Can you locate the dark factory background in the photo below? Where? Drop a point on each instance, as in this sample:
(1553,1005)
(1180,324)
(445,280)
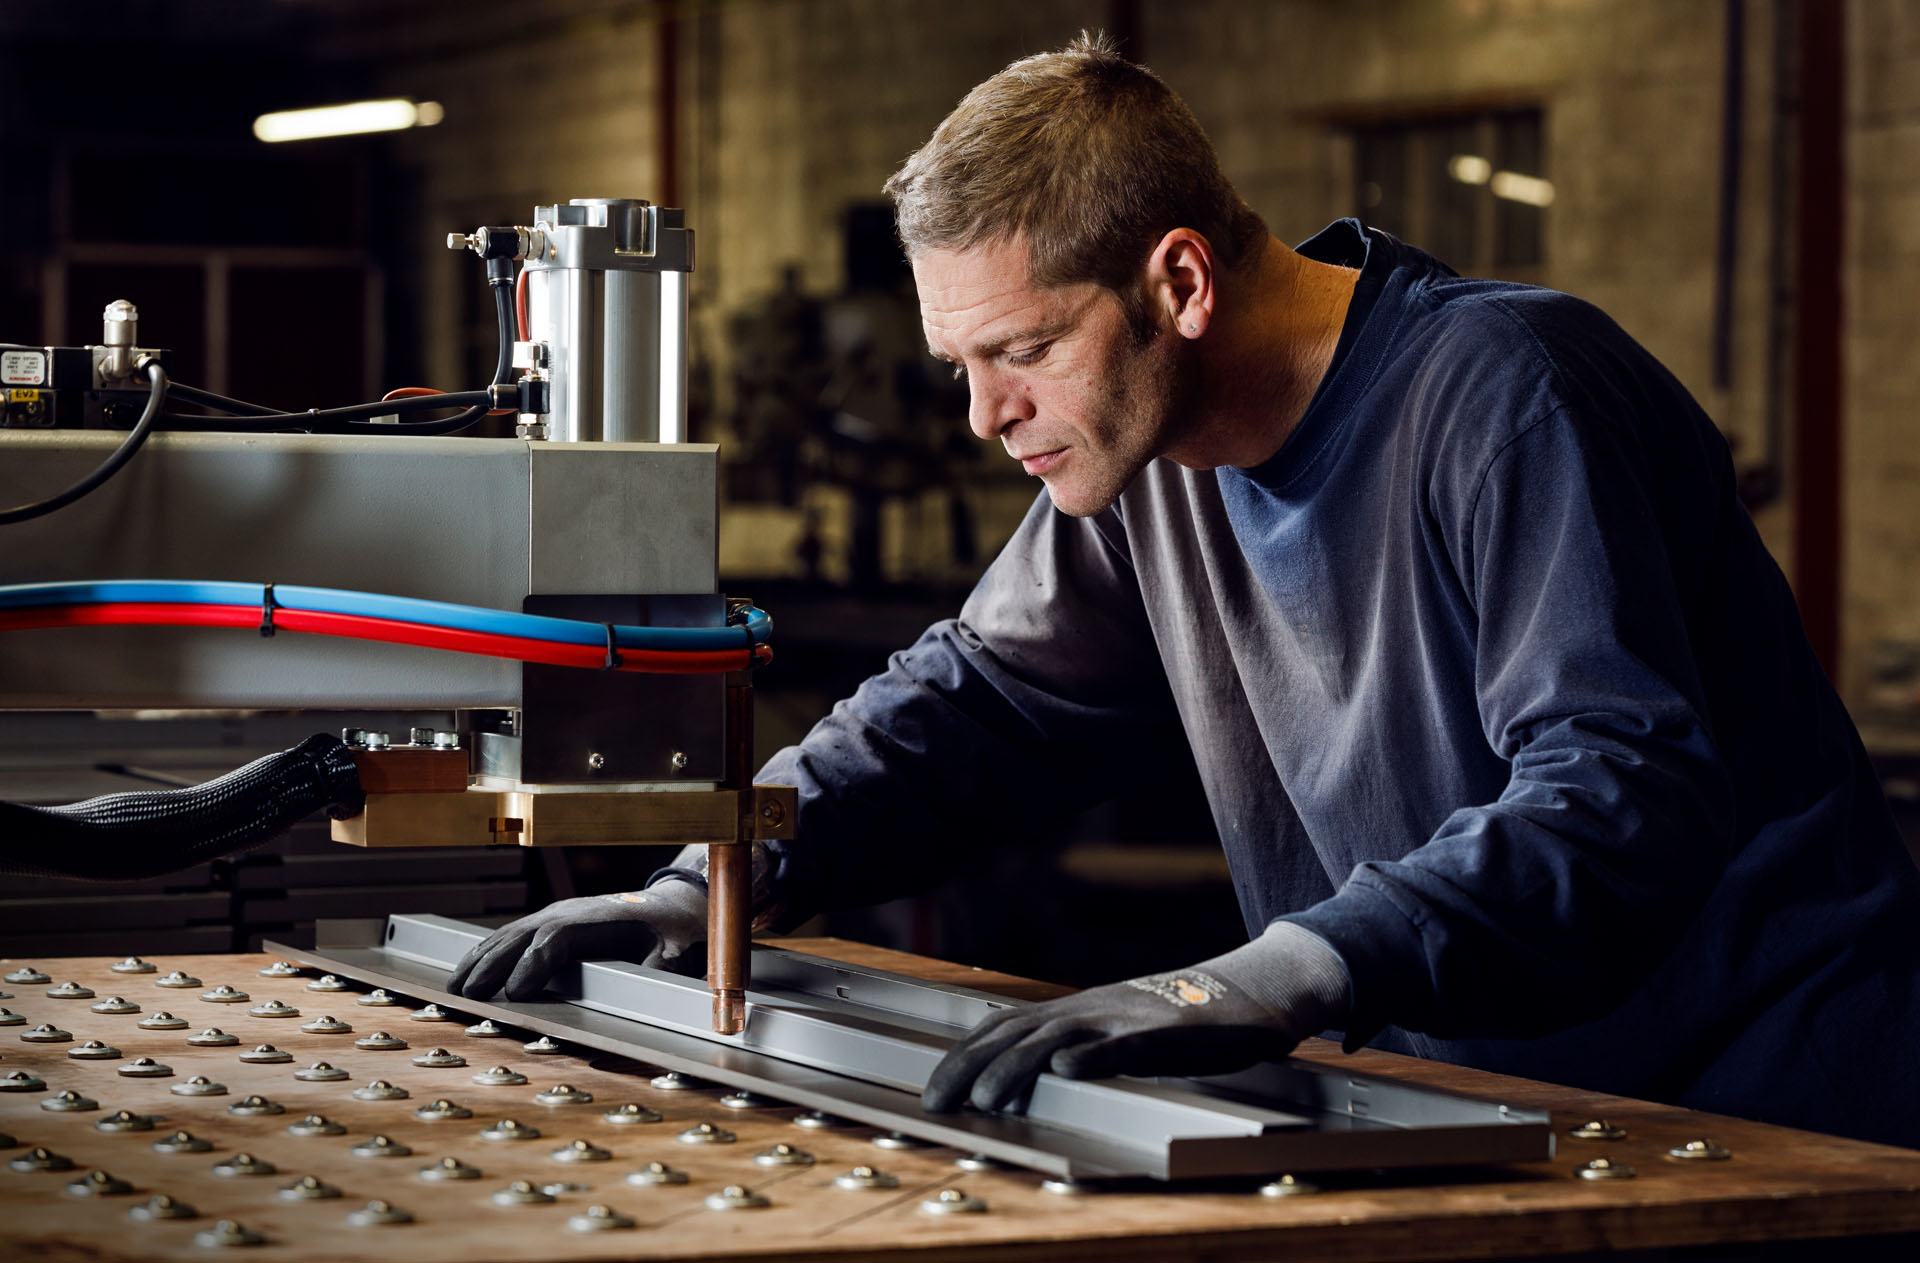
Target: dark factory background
(1736,181)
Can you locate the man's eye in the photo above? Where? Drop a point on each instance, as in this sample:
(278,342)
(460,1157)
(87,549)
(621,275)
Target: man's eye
(1020,359)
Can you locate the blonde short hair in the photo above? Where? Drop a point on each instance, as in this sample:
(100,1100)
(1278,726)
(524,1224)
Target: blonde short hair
(1088,156)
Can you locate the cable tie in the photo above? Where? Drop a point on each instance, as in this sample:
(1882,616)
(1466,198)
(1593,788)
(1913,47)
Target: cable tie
(267,606)
(614,660)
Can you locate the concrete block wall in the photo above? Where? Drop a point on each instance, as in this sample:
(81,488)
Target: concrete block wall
(1880,607)
(792,109)
(1630,91)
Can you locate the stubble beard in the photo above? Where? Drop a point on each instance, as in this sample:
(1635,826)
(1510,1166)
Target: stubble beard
(1143,412)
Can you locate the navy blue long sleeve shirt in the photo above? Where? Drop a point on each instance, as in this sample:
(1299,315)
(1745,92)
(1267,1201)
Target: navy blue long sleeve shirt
(1490,683)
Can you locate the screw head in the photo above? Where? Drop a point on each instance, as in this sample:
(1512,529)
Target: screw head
(308,1188)
(864,1176)
(1597,1129)
(596,761)
(581,1151)
(510,1129)
(1702,1150)
(783,1155)
(735,1197)
(145,1068)
(705,1134)
(266,1055)
(160,1206)
(952,1201)
(563,1094)
(657,1173)
(450,1169)
(380,1090)
(599,1219)
(326,1024)
(441,1110)
(255,1106)
(227,1232)
(679,760)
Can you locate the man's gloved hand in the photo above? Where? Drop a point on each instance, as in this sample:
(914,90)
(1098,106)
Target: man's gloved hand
(1252,1004)
(664,926)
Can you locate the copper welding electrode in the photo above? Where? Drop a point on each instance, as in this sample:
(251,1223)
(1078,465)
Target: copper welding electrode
(730,873)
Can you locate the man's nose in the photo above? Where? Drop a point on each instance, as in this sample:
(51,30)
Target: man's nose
(994,404)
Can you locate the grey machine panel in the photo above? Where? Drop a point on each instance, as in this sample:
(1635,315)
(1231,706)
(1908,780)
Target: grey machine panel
(860,1043)
(488,522)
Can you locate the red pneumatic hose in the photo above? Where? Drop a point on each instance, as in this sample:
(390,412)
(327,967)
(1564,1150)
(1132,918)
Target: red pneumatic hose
(390,631)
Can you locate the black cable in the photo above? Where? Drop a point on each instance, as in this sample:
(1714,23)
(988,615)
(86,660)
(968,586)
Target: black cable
(143,834)
(357,418)
(326,420)
(207,399)
(503,370)
(108,467)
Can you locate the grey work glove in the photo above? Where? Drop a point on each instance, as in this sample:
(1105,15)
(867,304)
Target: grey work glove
(664,926)
(1252,1004)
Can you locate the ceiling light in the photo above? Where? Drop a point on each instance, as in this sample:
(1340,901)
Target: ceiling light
(352,119)
(1515,187)
(1469,168)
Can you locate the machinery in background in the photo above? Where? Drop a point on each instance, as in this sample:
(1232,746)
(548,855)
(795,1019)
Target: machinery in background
(602,689)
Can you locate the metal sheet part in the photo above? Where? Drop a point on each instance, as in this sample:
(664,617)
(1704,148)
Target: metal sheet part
(859,1043)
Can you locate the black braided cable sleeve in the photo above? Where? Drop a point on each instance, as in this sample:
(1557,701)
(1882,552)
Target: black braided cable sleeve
(119,837)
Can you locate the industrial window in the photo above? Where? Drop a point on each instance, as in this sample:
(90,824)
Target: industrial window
(1471,189)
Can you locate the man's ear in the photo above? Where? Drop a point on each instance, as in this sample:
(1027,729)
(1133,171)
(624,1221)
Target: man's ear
(1180,281)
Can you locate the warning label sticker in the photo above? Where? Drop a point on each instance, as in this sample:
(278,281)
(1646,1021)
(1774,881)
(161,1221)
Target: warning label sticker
(23,368)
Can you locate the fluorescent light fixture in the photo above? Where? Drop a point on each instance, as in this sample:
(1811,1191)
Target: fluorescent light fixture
(352,119)
(1515,187)
(1469,168)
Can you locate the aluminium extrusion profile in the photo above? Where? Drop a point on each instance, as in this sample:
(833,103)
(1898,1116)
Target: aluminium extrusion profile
(859,1043)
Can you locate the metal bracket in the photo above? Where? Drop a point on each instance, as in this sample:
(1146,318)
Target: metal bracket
(480,815)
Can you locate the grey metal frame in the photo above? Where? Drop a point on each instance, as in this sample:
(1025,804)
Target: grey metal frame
(859,1043)
(487,522)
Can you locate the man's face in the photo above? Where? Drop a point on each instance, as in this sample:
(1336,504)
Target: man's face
(1076,393)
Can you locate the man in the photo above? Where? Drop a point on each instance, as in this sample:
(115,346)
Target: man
(1505,717)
